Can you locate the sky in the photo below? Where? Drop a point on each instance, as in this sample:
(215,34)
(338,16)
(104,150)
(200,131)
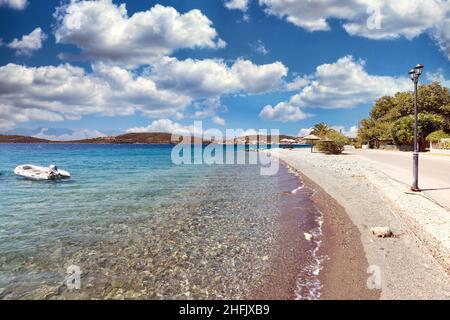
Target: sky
(78,69)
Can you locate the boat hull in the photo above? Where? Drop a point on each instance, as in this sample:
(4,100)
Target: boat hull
(40,173)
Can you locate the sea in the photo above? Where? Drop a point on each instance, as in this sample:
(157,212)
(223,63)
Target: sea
(131,224)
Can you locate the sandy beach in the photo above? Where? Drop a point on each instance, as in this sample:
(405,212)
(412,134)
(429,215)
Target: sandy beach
(410,265)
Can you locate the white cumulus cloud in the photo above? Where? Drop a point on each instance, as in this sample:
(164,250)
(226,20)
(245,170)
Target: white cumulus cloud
(166,125)
(259,78)
(78,134)
(237,4)
(373,19)
(304,132)
(342,84)
(283,112)
(297,83)
(67,92)
(218,120)
(55,93)
(350,132)
(345,84)
(29,43)
(259,47)
(14,4)
(105,32)
(439,77)
(212,77)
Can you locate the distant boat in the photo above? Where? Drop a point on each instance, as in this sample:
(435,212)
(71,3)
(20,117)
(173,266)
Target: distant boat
(41,173)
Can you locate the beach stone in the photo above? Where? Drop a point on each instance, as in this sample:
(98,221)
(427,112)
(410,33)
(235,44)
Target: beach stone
(4,292)
(382,232)
(308,236)
(118,283)
(47,292)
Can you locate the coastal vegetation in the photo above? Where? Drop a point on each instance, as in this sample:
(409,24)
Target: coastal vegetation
(332,141)
(391,120)
(440,139)
(336,143)
(438,136)
(321,130)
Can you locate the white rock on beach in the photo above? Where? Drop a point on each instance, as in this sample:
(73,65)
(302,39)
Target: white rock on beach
(308,236)
(382,232)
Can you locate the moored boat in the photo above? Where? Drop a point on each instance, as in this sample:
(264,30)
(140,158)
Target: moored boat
(41,173)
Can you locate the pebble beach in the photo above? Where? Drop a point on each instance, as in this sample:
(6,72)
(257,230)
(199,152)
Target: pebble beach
(410,266)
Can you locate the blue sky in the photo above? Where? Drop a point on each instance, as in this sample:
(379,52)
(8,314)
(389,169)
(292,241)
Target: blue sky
(248,64)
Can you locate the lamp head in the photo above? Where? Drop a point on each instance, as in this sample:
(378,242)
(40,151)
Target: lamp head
(418,68)
(412,74)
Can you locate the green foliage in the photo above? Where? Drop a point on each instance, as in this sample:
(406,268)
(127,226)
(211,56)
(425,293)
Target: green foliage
(356,142)
(336,146)
(436,136)
(382,108)
(433,97)
(403,129)
(445,145)
(373,131)
(391,118)
(321,129)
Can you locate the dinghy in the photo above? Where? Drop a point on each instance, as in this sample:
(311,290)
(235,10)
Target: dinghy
(41,173)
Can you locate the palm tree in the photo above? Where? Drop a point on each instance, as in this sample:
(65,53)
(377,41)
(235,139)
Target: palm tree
(321,129)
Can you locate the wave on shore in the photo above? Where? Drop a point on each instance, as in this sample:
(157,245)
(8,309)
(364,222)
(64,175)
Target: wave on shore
(308,284)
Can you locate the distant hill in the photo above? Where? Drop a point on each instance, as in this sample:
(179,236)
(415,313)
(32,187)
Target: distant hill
(6,138)
(132,138)
(129,138)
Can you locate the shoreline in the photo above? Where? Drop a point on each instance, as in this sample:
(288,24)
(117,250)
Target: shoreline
(292,255)
(344,271)
(332,264)
(407,268)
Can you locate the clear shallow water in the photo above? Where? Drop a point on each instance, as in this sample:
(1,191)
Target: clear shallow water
(136,225)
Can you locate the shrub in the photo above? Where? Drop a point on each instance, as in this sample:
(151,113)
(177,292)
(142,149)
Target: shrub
(356,142)
(403,129)
(437,136)
(444,145)
(334,147)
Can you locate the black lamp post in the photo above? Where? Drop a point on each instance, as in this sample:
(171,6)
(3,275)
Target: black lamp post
(415,74)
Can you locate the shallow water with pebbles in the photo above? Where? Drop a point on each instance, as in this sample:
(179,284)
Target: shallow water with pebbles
(138,226)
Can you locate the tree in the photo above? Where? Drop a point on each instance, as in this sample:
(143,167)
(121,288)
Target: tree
(373,132)
(382,108)
(391,118)
(321,129)
(434,98)
(335,146)
(437,136)
(403,129)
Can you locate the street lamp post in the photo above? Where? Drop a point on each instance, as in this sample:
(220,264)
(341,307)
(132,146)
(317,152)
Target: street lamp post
(415,74)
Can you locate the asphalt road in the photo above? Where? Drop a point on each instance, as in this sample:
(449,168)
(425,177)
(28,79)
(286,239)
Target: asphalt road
(434,171)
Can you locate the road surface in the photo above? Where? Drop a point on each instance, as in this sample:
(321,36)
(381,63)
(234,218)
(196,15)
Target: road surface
(434,171)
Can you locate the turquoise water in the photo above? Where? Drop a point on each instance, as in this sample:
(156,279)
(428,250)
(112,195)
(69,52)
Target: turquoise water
(137,225)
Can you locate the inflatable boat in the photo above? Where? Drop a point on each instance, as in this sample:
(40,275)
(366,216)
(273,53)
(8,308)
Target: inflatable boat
(41,173)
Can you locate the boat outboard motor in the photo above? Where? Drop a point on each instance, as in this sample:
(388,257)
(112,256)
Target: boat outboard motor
(54,171)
